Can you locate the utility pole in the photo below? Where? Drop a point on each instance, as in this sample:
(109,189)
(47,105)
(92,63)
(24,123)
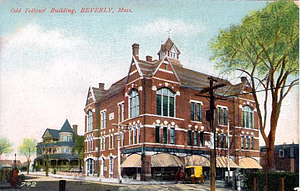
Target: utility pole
(210,118)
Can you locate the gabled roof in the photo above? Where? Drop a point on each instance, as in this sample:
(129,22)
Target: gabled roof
(66,127)
(53,132)
(97,93)
(168,46)
(114,89)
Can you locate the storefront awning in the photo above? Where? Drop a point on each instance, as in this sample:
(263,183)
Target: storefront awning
(249,163)
(133,161)
(222,162)
(196,160)
(165,160)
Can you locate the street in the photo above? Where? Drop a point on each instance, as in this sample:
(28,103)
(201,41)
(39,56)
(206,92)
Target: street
(38,182)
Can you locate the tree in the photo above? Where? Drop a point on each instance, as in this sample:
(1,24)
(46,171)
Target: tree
(265,46)
(5,146)
(27,148)
(79,149)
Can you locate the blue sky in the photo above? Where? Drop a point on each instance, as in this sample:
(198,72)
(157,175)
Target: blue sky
(48,60)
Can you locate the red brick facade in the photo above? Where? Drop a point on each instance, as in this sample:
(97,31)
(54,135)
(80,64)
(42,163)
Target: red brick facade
(164,128)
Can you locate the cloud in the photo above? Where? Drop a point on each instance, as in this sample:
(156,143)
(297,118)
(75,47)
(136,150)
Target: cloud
(45,75)
(178,27)
(34,36)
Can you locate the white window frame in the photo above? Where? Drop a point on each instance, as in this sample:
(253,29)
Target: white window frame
(89,120)
(281,153)
(134,103)
(246,115)
(103,114)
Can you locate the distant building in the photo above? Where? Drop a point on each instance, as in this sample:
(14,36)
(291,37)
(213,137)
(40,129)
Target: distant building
(286,157)
(10,163)
(56,148)
(154,115)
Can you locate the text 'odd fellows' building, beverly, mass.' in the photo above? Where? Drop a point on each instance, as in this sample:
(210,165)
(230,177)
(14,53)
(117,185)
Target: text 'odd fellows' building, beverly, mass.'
(159,123)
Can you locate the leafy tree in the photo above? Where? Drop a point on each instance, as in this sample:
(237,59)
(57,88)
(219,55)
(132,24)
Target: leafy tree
(265,46)
(5,146)
(79,149)
(27,148)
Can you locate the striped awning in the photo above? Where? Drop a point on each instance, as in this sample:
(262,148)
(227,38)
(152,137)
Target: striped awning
(249,163)
(133,161)
(196,160)
(165,160)
(222,162)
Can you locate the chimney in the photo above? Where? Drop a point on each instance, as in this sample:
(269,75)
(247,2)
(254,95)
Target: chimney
(135,50)
(101,86)
(244,79)
(75,129)
(149,58)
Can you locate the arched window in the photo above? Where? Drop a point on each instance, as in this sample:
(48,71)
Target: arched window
(90,166)
(134,105)
(248,117)
(90,121)
(111,167)
(102,167)
(165,102)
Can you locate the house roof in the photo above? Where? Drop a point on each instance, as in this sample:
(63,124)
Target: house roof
(10,163)
(66,127)
(53,132)
(114,89)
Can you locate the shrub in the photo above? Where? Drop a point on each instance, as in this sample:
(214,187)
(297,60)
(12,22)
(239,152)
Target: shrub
(291,180)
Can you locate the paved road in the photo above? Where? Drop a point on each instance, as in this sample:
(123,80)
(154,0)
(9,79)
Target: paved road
(37,183)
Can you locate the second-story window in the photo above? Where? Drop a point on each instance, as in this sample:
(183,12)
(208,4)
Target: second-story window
(121,112)
(165,102)
(247,117)
(103,119)
(196,111)
(134,104)
(222,115)
(90,121)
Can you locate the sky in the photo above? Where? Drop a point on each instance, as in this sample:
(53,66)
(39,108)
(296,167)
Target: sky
(49,60)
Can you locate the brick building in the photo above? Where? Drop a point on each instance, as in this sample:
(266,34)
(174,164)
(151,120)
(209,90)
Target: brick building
(160,123)
(286,157)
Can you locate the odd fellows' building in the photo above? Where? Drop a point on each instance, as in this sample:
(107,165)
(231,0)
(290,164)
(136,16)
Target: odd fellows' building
(56,148)
(160,122)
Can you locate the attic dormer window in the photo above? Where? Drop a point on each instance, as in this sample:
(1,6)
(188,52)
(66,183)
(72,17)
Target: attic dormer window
(166,66)
(173,55)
